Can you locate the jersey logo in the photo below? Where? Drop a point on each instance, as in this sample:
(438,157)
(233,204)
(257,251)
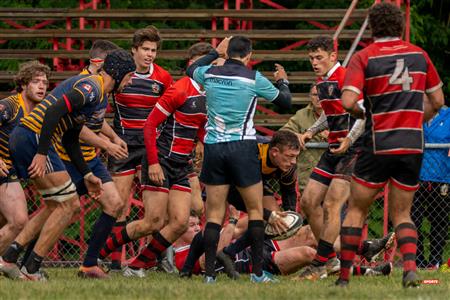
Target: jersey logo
(156,88)
(330,90)
(87,87)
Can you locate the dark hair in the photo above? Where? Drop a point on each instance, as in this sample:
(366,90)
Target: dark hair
(101,48)
(239,46)
(29,70)
(386,20)
(320,42)
(149,33)
(199,49)
(285,138)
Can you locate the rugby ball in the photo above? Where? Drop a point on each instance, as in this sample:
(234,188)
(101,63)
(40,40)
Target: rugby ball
(294,221)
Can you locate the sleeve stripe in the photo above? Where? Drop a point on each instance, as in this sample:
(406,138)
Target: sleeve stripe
(435,88)
(158,106)
(69,106)
(352,88)
(278,92)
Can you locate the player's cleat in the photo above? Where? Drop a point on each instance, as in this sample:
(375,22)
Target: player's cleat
(38,276)
(410,280)
(185,274)
(164,265)
(130,272)
(333,266)
(372,249)
(341,282)
(10,270)
(312,273)
(382,269)
(209,280)
(228,265)
(266,277)
(94,272)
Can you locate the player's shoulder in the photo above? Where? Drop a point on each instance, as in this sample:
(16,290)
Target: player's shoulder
(161,71)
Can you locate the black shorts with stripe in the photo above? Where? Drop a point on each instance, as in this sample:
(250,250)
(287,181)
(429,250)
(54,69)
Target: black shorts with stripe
(332,166)
(129,165)
(374,171)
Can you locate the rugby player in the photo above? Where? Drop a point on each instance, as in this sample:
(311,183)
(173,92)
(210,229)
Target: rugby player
(59,116)
(131,109)
(31,85)
(328,187)
(230,143)
(97,55)
(165,182)
(393,75)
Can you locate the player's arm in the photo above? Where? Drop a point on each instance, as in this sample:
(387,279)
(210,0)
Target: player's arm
(350,103)
(115,150)
(319,125)
(70,141)
(7,110)
(432,103)
(288,189)
(207,59)
(345,143)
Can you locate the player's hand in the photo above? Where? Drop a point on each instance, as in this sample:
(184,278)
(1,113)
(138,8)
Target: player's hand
(304,138)
(3,169)
(156,174)
(345,143)
(94,186)
(37,167)
(234,213)
(118,141)
(280,73)
(277,222)
(116,151)
(223,46)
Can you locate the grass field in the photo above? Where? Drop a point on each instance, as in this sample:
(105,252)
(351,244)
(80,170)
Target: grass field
(65,285)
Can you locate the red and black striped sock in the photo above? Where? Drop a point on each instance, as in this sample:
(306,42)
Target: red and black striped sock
(406,234)
(324,249)
(350,239)
(114,241)
(147,258)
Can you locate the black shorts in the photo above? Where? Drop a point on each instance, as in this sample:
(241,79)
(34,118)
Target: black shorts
(175,174)
(335,166)
(129,165)
(12,177)
(243,262)
(231,163)
(374,171)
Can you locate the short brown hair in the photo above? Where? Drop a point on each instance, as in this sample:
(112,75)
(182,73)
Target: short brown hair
(149,33)
(320,42)
(386,20)
(101,48)
(285,138)
(29,70)
(199,49)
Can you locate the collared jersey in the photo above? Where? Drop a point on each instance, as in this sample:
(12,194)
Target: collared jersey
(12,109)
(136,101)
(231,95)
(393,75)
(329,92)
(92,90)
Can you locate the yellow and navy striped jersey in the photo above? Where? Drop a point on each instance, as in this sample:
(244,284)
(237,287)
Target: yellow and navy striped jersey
(94,123)
(92,89)
(12,109)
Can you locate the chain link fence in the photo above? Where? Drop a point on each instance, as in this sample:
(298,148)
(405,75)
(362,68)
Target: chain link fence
(430,213)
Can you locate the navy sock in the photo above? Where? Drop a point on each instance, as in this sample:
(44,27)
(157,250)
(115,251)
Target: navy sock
(239,245)
(195,251)
(210,241)
(256,231)
(100,232)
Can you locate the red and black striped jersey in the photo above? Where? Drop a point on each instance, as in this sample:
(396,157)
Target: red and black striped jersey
(393,75)
(329,93)
(12,109)
(182,111)
(136,101)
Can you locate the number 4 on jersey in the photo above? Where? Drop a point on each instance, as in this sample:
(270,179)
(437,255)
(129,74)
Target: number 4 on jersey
(405,80)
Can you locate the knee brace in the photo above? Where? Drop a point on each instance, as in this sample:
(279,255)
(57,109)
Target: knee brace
(59,193)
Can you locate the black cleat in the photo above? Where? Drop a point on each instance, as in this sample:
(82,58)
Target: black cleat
(228,265)
(341,283)
(185,274)
(384,269)
(410,280)
(372,249)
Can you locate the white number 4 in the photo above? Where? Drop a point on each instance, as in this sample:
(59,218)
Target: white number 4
(405,80)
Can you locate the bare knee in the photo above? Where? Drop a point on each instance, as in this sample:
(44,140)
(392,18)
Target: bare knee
(114,206)
(309,203)
(150,226)
(179,226)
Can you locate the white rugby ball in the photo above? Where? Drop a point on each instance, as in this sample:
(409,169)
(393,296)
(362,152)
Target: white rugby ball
(294,221)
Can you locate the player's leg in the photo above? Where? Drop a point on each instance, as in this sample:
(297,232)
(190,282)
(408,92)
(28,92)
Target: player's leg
(13,207)
(291,260)
(196,195)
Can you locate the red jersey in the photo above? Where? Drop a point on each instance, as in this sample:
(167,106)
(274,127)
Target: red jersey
(136,101)
(329,93)
(393,75)
(181,254)
(182,109)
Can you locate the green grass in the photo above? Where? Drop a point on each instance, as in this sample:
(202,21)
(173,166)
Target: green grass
(65,285)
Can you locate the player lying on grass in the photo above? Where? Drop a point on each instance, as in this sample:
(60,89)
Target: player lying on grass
(280,257)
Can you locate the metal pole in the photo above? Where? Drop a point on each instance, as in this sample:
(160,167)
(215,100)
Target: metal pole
(356,41)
